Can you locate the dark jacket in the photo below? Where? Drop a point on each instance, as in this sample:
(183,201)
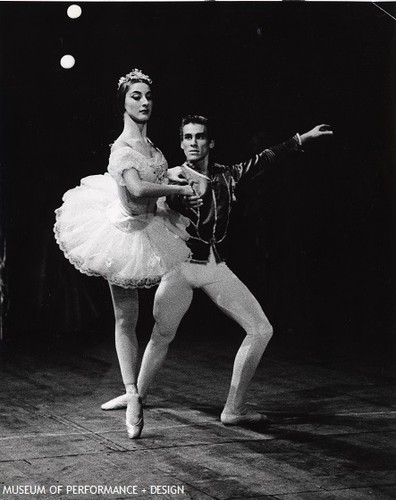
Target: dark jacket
(209,222)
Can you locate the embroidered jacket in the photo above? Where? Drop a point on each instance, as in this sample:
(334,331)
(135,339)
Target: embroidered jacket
(210,221)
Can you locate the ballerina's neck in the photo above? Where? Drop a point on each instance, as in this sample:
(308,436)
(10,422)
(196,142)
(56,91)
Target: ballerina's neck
(134,129)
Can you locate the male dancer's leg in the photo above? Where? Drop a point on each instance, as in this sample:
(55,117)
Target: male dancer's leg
(171,302)
(237,302)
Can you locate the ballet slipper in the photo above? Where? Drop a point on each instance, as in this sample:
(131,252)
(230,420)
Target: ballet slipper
(120,402)
(134,416)
(243,418)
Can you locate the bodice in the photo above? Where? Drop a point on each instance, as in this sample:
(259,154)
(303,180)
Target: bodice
(150,169)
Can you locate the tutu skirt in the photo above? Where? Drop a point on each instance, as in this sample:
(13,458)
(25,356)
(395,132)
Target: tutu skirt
(100,237)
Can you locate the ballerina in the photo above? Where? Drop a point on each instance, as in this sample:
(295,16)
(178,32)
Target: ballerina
(115,225)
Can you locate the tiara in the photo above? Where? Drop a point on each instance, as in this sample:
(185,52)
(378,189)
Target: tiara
(135,74)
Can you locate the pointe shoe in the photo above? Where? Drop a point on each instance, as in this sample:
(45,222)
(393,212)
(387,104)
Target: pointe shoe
(116,403)
(119,403)
(134,416)
(244,418)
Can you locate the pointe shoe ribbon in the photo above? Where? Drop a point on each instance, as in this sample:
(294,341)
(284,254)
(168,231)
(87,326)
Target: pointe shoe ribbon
(134,416)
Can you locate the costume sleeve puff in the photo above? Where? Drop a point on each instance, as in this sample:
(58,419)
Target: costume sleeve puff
(120,160)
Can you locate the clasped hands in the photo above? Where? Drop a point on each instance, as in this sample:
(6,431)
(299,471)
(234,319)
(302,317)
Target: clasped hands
(175,176)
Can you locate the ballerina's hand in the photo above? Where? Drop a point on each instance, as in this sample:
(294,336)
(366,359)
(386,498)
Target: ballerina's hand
(176,176)
(316,132)
(186,191)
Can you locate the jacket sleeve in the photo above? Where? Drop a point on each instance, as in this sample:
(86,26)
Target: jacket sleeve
(259,163)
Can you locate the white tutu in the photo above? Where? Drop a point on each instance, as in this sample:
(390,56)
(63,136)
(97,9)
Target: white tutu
(100,238)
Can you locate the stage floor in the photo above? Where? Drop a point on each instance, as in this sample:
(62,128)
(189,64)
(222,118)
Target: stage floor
(332,434)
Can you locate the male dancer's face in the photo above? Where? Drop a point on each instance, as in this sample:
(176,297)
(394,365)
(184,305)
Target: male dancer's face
(195,142)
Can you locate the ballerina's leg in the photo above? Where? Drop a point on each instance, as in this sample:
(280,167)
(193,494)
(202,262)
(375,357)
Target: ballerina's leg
(126,310)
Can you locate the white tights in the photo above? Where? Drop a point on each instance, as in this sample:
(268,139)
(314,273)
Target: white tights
(172,300)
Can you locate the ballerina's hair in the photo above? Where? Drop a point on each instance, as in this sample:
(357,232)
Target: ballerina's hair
(134,76)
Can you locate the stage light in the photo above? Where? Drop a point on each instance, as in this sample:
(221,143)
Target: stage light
(67,61)
(74,11)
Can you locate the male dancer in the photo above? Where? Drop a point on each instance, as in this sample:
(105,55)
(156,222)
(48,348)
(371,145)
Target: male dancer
(209,212)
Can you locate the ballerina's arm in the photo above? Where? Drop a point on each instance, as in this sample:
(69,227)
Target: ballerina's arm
(145,189)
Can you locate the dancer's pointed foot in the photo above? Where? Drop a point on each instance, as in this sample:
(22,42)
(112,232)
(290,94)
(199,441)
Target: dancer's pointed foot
(244,418)
(134,416)
(119,403)
(116,403)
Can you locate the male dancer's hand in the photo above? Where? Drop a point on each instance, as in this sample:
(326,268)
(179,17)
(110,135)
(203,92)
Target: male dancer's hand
(316,132)
(193,201)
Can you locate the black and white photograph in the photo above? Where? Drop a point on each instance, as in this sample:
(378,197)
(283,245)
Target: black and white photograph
(197,250)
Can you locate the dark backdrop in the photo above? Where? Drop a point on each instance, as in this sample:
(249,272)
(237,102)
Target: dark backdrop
(313,238)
